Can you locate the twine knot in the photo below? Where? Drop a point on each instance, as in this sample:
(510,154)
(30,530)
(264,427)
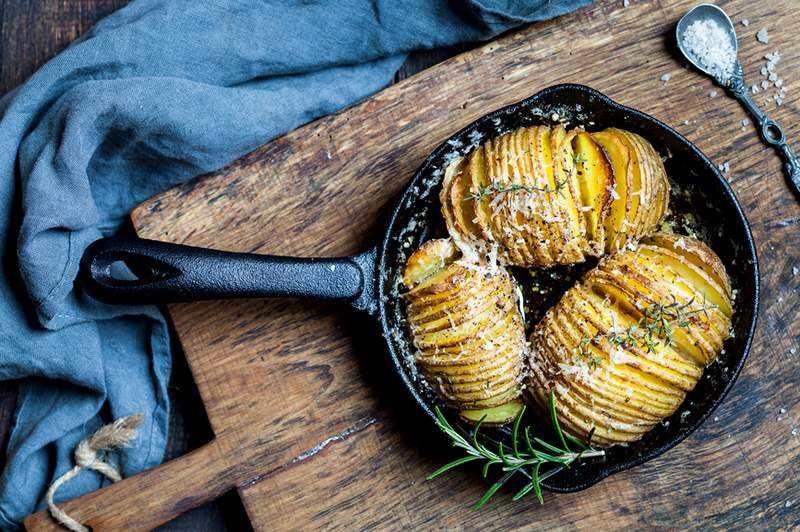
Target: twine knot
(107,438)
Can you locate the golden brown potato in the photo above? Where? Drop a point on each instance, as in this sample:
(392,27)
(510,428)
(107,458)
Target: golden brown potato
(541,196)
(622,348)
(468,331)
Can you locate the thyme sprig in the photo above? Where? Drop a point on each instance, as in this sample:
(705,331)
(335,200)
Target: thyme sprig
(656,326)
(495,189)
(525,454)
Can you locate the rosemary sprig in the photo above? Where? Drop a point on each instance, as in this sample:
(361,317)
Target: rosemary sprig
(656,326)
(496,189)
(524,454)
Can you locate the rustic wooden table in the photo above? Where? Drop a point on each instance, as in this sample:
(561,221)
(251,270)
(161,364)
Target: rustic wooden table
(740,469)
(31,32)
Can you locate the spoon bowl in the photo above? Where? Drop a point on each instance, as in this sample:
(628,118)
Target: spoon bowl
(705,12)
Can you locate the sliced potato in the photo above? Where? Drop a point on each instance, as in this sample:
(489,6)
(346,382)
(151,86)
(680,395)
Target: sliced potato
(622,347)
(467,328)
(541,196)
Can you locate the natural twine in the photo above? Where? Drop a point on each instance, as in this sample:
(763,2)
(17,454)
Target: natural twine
(107,438)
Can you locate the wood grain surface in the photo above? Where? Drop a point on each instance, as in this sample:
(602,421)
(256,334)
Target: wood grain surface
(309,423)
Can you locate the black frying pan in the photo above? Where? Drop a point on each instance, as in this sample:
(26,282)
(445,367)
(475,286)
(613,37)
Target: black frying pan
(371,281)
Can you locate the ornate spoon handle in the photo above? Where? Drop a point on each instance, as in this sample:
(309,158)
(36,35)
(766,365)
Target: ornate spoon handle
(771,132)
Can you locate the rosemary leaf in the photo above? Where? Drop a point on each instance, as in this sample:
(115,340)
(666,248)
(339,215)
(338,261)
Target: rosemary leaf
(515,431)
(451,465)
(554,419)
(537,483)
(547,445)
(491,491)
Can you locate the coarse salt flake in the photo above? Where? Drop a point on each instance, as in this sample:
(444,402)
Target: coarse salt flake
(711,46)
(666,77)
(762,36)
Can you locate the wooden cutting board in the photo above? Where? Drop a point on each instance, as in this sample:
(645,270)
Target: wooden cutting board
(310,426)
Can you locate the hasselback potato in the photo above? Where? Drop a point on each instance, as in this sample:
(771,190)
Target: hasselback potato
(468,331)
(540,196)
(622,347)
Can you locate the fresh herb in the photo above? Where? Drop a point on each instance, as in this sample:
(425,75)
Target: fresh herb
(496,189)
(524,455)
(579,159)
(656,326)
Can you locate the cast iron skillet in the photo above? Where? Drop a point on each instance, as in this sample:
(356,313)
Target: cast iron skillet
(371,281)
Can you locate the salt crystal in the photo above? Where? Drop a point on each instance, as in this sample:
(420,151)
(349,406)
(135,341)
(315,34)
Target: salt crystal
(712,94)
(783,410)
(773,57)
(626,3)
(716,418)
(685,122)
(794,432)
(745,122)
(765,84)
(773,76)
(787,504)
(793,351)
(711,46)
(778,101)
(745,22)
(666,77)
(779,83)
(795,270)
(762,36)
(754,89)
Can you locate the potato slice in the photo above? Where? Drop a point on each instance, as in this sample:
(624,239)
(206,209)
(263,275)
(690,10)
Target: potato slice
(496,415)
(620,208)
(431,258)
(596,180)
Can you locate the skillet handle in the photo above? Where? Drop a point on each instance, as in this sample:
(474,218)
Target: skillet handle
(173,273)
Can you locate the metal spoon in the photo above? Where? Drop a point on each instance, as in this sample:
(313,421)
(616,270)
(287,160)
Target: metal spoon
(771,133)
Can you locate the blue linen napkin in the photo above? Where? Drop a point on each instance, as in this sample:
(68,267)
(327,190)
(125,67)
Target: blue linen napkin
(156,93)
